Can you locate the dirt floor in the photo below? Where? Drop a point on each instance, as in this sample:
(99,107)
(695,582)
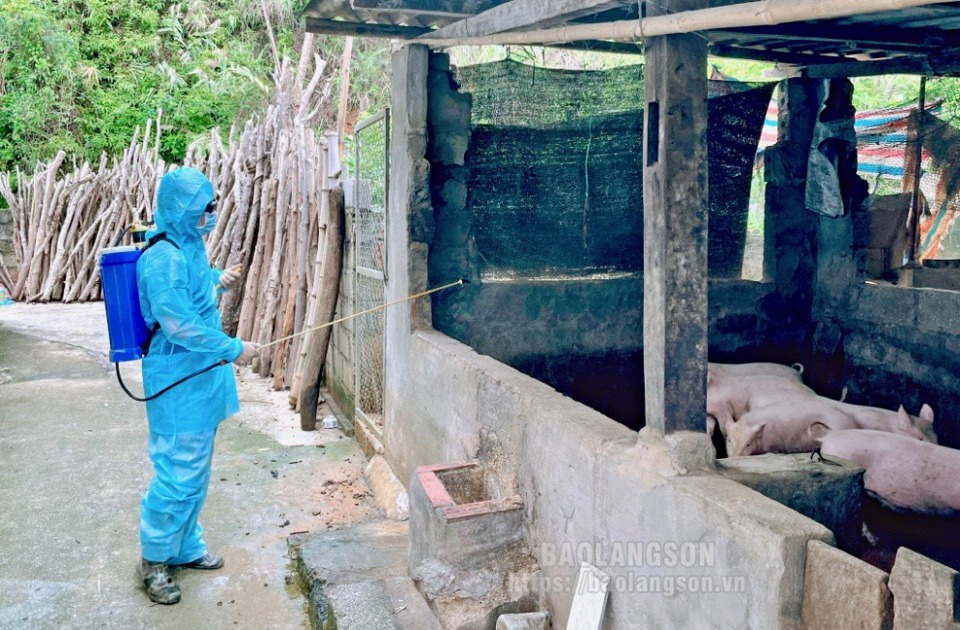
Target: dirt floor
(73,467)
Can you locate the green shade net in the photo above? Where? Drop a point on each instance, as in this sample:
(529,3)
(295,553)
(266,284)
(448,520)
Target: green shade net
(555,177)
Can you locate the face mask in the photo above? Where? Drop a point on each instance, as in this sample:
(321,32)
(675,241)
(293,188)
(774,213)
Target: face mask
(209,224)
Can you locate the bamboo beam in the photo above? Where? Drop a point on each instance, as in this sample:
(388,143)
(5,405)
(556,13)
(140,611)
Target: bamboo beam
(762,13)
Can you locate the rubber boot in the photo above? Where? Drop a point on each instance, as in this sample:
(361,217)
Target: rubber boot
(158,583)
(207,562)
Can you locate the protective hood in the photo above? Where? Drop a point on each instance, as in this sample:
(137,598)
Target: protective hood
(183,196)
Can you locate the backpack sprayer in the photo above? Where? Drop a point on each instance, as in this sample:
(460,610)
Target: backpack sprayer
(128,332)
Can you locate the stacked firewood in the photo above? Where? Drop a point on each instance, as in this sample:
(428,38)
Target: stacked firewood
(60,221)
(273,213)
(274,179)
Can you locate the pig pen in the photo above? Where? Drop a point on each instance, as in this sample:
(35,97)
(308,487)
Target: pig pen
(536,188)
(474,375)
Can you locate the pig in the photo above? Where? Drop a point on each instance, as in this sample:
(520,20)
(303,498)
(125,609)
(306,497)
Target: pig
(784,427)
(756,369)
(918,427)
(903,473)
(729,397)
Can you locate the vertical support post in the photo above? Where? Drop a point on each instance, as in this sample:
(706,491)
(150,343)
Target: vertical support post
(675,231)
(407,238)
(790,230)
(915,208)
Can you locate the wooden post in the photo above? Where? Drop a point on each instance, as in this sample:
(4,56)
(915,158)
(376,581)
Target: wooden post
(344,92)
(675,232)
(329,288)
(915,206)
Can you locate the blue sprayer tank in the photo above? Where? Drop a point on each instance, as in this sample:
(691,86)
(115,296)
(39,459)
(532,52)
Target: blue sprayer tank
(125,325)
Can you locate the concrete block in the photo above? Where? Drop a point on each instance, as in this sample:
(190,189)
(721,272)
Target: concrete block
(948,279)
(830,495)
(370,555)
(894,306)
(925,593)
(390,494)
(939,311)
(370,443)
(466,548)
(454,519)
(523,621)
(840,591)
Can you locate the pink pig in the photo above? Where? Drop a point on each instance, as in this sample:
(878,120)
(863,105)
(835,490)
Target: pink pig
(783,428)
(904,473)
(756,369)
(787,427)
(734,389)
(919,427)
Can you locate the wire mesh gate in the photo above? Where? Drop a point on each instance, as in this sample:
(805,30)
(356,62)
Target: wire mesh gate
(372,183)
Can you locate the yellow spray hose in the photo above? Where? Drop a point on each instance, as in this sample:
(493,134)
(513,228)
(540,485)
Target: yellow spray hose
(369,310)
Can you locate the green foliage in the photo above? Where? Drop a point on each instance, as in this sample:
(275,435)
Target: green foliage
(81,75)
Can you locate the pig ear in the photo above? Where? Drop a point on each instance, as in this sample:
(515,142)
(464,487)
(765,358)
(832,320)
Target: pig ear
(926,412)
(757,430)
(711,424)
(904,417)
(818,430)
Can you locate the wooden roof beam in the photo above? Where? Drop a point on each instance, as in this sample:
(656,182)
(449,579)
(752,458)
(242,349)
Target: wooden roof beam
(520,14)
(761,54)
(747,14)
(942,65)
(362,29)
(892,38)
(441,8)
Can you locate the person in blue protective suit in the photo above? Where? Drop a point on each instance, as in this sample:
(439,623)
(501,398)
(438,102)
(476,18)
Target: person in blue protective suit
(178,299)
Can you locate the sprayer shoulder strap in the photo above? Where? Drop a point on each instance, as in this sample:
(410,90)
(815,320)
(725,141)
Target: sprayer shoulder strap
(156,238)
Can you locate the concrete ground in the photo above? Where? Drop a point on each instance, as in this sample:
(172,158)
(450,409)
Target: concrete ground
(73,467)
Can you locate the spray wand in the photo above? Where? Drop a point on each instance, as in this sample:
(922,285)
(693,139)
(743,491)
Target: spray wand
(369,310)
(408,298)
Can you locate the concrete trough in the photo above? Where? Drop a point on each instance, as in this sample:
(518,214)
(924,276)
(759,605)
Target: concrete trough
(463,516)
(467,545)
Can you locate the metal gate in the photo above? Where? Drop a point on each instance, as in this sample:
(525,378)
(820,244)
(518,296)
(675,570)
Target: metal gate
(372,172)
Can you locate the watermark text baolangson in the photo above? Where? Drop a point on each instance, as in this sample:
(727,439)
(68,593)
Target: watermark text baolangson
(630,554)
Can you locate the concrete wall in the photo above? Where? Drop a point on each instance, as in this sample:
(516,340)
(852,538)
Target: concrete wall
(583,478)
(889,345)
(581,336)
(898,346)
(586,479)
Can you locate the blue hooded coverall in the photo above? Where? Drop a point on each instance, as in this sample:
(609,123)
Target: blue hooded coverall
(177,290)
